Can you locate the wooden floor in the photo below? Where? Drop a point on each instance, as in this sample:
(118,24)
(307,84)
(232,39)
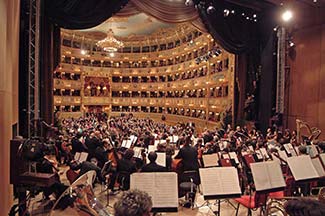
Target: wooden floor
(202,207)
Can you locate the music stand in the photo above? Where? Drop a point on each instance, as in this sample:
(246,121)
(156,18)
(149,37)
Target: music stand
(219,183)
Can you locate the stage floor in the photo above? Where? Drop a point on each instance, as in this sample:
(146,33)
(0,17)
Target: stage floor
(201,207)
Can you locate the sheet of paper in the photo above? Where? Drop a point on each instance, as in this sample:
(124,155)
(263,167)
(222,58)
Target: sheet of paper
(283,155)
(233,155)
(83,156)
(152,148)
(175,139)
(289,149)
(275,174)
(210,160)
(322,158)
(162,187)
(156,142)
(77,156)
(264,153)
(302,167)
(260,176)
(161,159)
(219,181)
(318,166)
(137,152)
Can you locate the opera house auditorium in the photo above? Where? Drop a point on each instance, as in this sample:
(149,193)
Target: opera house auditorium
(162,107)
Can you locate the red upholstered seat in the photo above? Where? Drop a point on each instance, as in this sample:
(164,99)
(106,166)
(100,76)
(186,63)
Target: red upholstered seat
(247,201)
(275,195)
(252,202)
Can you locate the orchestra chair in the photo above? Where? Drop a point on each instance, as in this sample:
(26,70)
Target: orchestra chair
(190,180)
(252,202)
(225,162)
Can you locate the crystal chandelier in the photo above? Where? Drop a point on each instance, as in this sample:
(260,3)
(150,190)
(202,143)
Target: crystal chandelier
(110,43)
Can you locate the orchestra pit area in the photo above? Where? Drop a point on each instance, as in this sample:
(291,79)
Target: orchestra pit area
(166,107)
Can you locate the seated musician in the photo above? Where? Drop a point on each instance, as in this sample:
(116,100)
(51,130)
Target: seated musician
(126,166)
(152,166)
(189,156)
(101,152)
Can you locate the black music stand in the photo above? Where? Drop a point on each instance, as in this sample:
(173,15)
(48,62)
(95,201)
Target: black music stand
(226,185)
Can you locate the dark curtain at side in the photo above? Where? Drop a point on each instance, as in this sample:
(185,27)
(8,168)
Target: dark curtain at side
(247,38)
(81,14)
(233,32)
(49,60)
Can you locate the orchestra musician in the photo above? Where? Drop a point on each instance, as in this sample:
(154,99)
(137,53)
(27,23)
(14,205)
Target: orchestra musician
(189,156)
(152,166)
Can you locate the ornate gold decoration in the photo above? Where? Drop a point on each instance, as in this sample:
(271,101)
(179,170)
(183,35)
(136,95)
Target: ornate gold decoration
(110,43)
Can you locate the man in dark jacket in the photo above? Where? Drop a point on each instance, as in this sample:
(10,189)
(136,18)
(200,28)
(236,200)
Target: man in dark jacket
(153,166)
(189,156)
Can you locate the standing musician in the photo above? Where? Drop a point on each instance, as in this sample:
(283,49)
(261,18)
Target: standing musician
(189,156)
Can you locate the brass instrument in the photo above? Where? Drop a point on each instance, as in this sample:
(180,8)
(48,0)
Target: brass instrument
(79,199)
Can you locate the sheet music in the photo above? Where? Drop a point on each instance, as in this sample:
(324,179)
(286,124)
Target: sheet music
(264,153)
(152,148)
(77,156)
(225,156)
(302,167)
(283,155)
(210,160)
(161,159)
(137,152)
(233,155)
(259,155)
(83,156)
(267,175)
(322,157)
(312,150)
(175,139)
(133,139)
(219,181)
(162,187)
(275,174)
(318,166)
(156,142)
(289,149)
(124,143)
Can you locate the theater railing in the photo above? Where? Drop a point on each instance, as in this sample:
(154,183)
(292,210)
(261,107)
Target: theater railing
(182,49)
(66,84)
(96,100)
(70,114)
(174,119)
(67,100)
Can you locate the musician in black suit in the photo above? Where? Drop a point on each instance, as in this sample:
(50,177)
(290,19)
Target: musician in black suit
(153,166)
(125,167)
(189,156)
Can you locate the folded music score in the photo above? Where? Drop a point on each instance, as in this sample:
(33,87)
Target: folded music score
(161,159)
(220,182)
(302,168)
(81,156)
(290,149)
(210,160)
(126,144)
(267,176)
(318,166)
(161,186)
